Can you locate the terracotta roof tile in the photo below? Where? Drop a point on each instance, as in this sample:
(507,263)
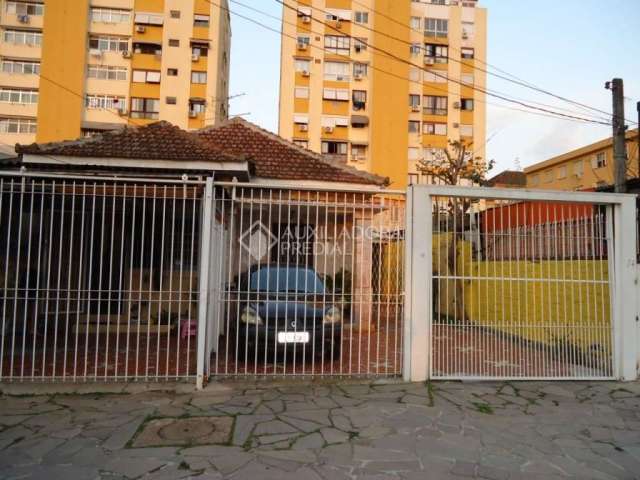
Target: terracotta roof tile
(276,158)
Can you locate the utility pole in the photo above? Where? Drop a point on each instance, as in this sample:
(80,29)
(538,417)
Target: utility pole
(619,132)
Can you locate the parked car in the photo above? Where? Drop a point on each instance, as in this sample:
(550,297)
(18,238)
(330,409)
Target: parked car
(279,308)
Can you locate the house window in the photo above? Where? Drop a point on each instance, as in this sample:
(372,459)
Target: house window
(174,42)
(111,44)
(197,106)
(201,20)
(302,65)
(108,102)
(468,53)
(145,76)
(104,72)
(148,19)
(436,27)
(110,15)
(199,77)
(414,100)
(439,53)
(466,130)
(600,160)
(11,95)
(434,105)
(578,168)
(145,108)
(336,71)
(172,72)
(337,44)
(548,176)
(200,50)
(17,125)
(23,8)
(361,17)
(429,128)
(359,98)
(302,92)
(19,67)
(334,148)
(304,40)
(360,69)
(466,104)
(147,48)
(414,126)
(18,37)
(358,153)
(562,172)
(337,94)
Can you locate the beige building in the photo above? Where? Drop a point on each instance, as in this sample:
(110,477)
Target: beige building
(75,67)
(586,168)
(339,96)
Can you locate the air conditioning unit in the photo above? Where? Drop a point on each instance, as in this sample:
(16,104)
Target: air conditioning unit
(195,57)
(23,18)
(141,29)
(357,77)
(429,61)
(193,114)
(328,129)
(305,73)
(302,46)
(304,127)
(126,54)
(306,19)
(415,108)
(456,105)
(95,52)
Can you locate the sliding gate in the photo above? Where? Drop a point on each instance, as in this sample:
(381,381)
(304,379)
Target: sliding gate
(517,284)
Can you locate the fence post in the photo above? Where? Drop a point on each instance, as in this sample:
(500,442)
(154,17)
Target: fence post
(625,328)
(203,280)
(418,291)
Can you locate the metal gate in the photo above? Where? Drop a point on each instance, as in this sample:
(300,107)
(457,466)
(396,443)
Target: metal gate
(99,277)
(309,282)
(521,284)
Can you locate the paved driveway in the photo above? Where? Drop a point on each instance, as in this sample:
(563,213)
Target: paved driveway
(314,431)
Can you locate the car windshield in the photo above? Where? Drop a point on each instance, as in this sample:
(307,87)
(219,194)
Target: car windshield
(276,279)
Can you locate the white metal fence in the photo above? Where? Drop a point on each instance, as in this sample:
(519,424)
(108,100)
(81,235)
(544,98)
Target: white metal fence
(99,278)
(521,284)
(310,283)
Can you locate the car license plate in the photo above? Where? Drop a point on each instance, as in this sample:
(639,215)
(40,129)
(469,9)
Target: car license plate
(293,337)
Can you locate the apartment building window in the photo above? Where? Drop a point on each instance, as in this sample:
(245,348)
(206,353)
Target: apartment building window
(434,105)
(200,49)
(109,102)
(359,98)
(201,21)
(303,40)
(12,95)
(148,19)
(358,153)
(175,13)
(174,42)
(468,30)
(416,23)
(197,106)
(171,100)
(301,119)
(435,76)
(111,44)
(414,126)
(414,100)
(433,154)
(145,108)
(304,13)
(172,72)
(23,8)
(413,154)
(414,74)
(600,160)
(333,122)
(429,128)
(467,78)
(301,92)
(361,17)
(301,143)
(17,125)
(466,104)
(415,49)
(334,148)
(360,44)
(360,69)
(147,48)
(337,44)
(199,77)
(336,71)
(335,14)
(110,15)
(468,53)
(439,53)
(145,76)
(104,72)
(336,94)
(578,168)
(18,37)
(19,67)
(466,130)
(436,27)
(302,65)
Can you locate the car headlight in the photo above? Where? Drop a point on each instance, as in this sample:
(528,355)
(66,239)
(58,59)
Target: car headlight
(250,317)
(332,315)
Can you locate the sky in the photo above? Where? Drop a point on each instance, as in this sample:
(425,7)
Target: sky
(567,47)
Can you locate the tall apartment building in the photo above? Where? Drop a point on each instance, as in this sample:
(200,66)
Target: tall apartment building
(340,96)
(74,67)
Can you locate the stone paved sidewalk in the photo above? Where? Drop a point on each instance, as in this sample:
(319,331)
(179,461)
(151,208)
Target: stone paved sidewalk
(326,431)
